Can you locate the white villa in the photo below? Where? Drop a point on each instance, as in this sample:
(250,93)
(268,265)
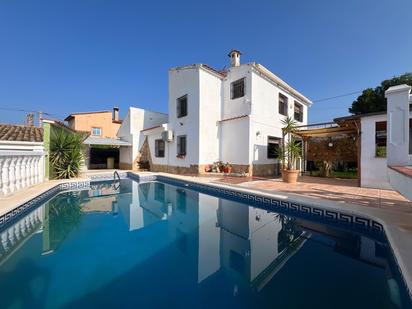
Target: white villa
(231,116)
(136,120)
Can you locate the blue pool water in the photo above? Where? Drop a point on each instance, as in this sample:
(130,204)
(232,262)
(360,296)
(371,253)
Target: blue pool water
(155,245)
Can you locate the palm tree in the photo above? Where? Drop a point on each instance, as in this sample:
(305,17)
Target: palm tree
(291,150)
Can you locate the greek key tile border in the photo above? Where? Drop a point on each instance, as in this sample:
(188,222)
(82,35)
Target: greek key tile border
(12,215)
(293,208)
(336,218)
(142,178)
(108,176)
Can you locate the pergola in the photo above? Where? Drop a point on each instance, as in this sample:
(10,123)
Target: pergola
(349,126)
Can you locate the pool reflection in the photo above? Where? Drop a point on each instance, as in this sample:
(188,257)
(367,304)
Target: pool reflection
(216,241)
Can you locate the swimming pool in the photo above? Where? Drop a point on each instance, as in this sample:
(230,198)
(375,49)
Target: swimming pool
(165,244)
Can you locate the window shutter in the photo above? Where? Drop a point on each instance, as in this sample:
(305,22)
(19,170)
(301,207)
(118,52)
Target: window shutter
(157,148)
(184,145)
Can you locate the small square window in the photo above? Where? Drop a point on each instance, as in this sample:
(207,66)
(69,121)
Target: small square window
(237,89)
(96,131)
(159,148)
(298,114)
(181,106)
(283,105)
(181,145)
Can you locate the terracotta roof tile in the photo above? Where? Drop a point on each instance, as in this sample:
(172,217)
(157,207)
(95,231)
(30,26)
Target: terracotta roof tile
(10,132)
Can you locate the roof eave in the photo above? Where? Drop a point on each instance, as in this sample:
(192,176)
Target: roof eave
(282,83)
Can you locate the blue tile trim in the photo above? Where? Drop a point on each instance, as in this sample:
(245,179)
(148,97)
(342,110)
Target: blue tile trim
(12,215)
(141,178)
(325,216)
(108,176)
(293,208)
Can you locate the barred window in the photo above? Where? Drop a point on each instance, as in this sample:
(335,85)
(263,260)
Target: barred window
(380,138)
(283,105)
(159,148)
(237,89)
(273,147)
(181,145)
(298,115)
(181,106)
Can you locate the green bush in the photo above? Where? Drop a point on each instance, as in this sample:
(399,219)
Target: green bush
(66,154)
(381,151)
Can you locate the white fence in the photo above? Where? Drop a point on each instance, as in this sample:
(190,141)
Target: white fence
(20,169)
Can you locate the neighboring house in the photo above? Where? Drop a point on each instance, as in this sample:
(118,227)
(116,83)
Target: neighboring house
(22,157)
(135,121)
(385,150)
(232,116)
(103,147)
(99,124)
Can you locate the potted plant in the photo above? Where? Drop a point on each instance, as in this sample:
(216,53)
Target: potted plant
(290,152)
(227,168)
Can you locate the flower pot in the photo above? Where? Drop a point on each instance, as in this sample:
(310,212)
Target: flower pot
(290,176)
(226,170)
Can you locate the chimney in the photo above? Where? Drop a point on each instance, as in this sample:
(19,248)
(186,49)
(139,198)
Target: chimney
(30,119)
(115,113)
(234,57)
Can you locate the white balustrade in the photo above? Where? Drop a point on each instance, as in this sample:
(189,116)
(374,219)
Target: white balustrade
(20,230)
(20,169)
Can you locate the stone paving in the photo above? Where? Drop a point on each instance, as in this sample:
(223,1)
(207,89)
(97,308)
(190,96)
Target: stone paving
(338,190)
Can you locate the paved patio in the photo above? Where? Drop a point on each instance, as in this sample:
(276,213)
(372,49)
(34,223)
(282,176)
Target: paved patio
(338,190)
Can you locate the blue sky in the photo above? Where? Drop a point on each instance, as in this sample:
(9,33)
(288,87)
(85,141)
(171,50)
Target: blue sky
(82,55)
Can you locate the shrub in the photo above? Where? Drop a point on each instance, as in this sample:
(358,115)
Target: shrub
(66,154)
(381,151)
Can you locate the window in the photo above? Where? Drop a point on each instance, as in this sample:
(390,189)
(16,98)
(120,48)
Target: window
(298,113)
(159,192)
(181,106)
(181,145)
(237,89)
(96,131)
(283,105)
(181,200)
(159,148)
(273,147)
(380,139)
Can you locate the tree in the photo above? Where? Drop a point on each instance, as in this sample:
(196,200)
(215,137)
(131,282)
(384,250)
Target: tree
(291,150)
(373,100)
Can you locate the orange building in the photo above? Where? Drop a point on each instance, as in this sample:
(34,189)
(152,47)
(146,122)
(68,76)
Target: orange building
(99,124)
(103,146)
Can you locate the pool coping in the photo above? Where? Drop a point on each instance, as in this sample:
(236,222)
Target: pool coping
(397,226)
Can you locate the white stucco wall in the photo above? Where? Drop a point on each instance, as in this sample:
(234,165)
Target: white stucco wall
(374,172)
(234,141)
(265,118)
(152,136)
(135,121)
(184,82)
(240,106)
(209,114)
(398,115)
